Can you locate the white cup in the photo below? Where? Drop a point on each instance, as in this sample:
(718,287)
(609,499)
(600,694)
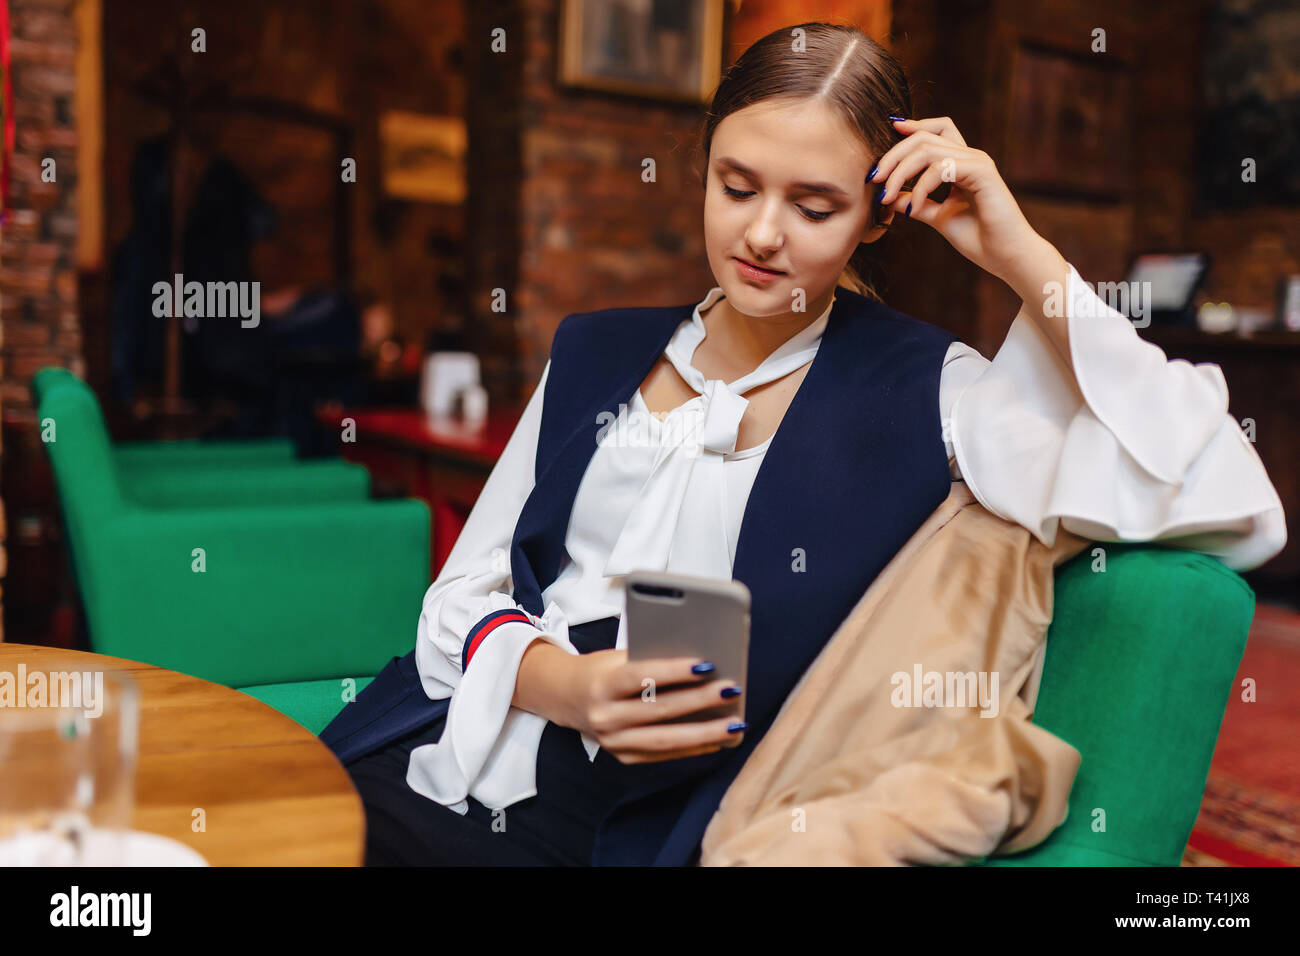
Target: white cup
(474,405)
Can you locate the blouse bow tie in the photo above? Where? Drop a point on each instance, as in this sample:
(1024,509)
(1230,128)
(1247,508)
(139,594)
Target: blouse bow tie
(686,488)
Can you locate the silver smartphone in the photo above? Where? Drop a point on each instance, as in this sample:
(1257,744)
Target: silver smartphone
(679,615)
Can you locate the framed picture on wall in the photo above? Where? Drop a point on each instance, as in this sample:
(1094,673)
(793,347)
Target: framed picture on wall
(656,49)
(1249,150)
(1067,124)
(423,157)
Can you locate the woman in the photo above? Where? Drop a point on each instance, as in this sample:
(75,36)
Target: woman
(517,731)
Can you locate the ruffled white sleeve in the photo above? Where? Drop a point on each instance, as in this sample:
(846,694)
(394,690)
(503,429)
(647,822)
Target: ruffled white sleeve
(1118,444)
(470,639)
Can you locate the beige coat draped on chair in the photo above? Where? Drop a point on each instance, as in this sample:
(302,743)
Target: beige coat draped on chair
(848,775)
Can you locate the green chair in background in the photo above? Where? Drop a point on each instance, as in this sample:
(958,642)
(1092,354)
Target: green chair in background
(236,483)
(192,451)
(180,474)
(251,451)
(297,603)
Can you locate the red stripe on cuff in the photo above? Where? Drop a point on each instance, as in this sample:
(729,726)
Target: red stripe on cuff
(488,629)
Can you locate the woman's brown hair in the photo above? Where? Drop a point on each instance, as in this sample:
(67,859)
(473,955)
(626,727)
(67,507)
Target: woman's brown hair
(839,65)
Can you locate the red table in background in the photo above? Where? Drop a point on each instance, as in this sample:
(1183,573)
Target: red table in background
(439,461)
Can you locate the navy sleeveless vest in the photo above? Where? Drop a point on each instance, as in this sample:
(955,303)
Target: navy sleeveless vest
(855,467)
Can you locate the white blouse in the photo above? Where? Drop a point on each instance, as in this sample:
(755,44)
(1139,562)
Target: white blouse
(1125,445)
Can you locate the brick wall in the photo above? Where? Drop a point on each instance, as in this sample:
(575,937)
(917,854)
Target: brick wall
(592,235)
(37,256)
(38,275)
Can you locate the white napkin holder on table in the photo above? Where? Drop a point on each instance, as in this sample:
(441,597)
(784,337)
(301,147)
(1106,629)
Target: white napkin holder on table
(450,387)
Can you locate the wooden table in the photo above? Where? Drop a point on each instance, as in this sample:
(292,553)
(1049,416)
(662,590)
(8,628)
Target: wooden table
(440,461)
(272,793)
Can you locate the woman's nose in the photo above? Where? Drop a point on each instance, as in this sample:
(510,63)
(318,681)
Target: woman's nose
(764,233)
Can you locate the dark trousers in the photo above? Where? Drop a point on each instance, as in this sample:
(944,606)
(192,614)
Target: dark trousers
(556,827)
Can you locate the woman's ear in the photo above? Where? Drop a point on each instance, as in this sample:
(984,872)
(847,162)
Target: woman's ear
(872,233)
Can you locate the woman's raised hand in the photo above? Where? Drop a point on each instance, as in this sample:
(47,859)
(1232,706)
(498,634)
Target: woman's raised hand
(620,703)
(980,218)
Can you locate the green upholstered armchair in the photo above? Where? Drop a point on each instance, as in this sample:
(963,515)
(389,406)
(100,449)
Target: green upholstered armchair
(191,473)
(1140,662)
(170,484)
(284,601)
(251,451)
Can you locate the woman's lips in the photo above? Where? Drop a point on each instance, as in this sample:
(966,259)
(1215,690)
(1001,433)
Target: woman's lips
(757,273)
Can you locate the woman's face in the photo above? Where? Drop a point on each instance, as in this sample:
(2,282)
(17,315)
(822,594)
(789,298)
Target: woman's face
(761,205)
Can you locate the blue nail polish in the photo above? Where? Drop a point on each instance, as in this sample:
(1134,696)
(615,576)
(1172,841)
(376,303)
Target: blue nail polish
(881,195)
(872,175)
(731,692)
(704,668)
(737,727)
(908,210)
(898,119)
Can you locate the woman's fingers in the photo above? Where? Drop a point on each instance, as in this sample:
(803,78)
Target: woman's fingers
(903,168)
(918,134)
(639,756)
(634,677)
(663,705)
(939,125)
(628,721)
(918,197)
(927,152)
(904,161)
(669,741)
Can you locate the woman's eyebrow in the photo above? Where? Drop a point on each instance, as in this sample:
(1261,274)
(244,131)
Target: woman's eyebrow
(828,189)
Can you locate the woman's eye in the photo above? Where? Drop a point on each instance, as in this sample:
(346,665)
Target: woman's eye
(812,214)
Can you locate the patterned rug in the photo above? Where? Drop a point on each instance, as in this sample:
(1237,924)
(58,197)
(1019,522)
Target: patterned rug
(1250,814)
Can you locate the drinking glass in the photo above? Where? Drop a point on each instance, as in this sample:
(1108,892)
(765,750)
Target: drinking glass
(67,769)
